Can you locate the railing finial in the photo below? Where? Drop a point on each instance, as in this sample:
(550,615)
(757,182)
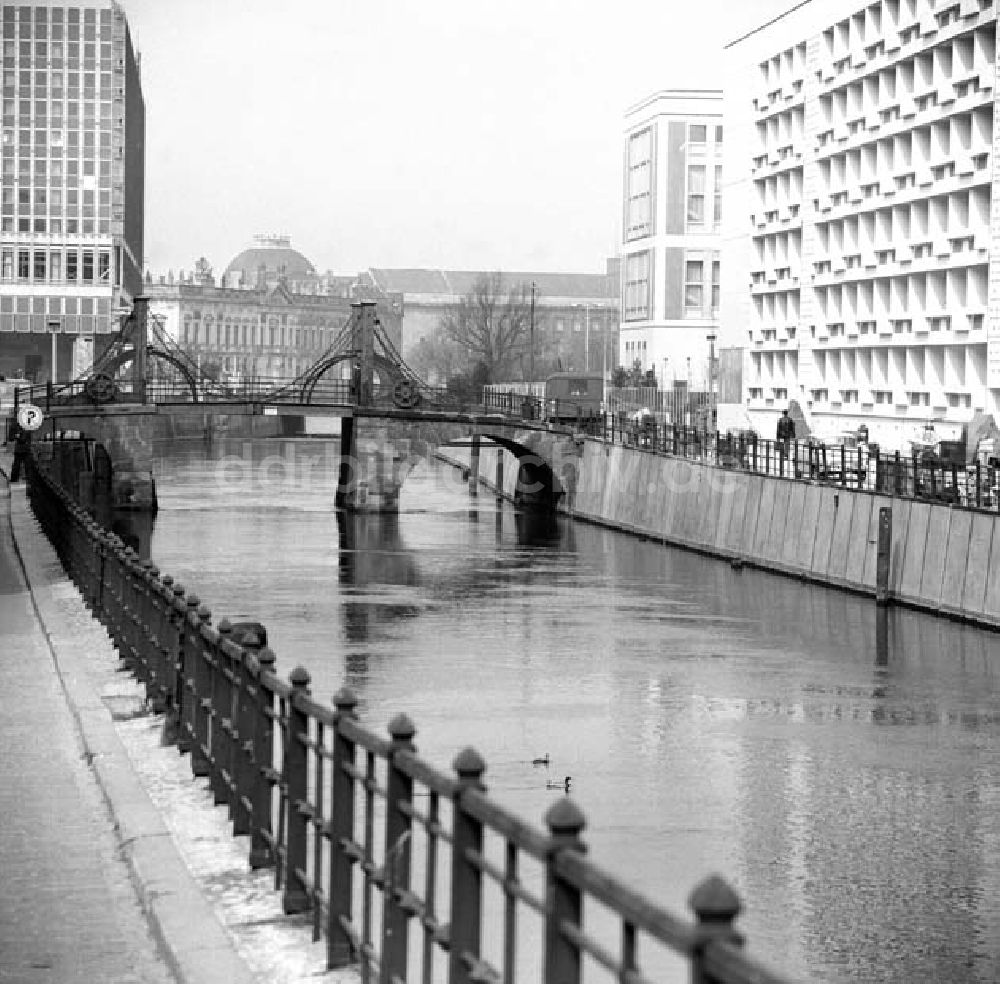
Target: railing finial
(402,729)
(470,766)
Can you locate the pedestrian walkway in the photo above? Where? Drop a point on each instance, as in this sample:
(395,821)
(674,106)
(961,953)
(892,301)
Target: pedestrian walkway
(92,886)
(68,911)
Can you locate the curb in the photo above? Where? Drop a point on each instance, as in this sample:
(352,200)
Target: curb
(195,946)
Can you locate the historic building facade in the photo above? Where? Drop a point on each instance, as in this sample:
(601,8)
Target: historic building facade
(858,210)
(576,314)
(671,216)
(270,315)
(72,183)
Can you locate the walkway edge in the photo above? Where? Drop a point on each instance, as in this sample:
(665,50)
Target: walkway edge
(194,944)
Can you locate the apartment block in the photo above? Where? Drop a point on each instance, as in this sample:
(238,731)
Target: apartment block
(72,148)
(671,276)
(859,215)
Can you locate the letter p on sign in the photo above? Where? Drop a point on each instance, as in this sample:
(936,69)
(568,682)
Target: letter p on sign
(30,417)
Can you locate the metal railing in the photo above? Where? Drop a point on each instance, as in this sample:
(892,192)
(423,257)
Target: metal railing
(920,476)
(403,868)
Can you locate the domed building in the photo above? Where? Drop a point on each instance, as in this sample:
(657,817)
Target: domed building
(269,316)
(270,260)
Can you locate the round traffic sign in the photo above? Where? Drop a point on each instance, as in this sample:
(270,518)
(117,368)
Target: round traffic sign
(29,417)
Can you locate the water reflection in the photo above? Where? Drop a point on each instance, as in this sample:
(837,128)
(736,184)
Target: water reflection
(839,763)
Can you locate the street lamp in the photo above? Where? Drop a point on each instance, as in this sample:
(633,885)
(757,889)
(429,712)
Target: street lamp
(54,325)
(711,367)
(531,336)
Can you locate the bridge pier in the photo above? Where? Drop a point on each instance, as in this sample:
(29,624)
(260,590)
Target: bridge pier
(346,455)
(372,470)
(474,466)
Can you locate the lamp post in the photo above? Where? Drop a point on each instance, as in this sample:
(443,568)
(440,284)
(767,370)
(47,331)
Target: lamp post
(54,325)
(531,336)
(711,367)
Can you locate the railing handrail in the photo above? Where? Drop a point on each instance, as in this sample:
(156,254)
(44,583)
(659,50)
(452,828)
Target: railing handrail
(271,750)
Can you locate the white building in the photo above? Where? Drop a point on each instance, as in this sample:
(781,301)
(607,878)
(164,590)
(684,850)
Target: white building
(858,215)
(670,234)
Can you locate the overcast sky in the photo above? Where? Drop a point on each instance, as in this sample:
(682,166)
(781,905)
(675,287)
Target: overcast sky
(451,133)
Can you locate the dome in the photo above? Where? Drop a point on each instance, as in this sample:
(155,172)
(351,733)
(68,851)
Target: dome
(276,255)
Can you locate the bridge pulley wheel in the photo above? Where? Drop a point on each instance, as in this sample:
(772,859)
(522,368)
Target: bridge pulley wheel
(406,394)
(101,387)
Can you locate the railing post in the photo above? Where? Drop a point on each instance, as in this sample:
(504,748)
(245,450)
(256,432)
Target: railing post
(296,898)
(466,877)
(716,907)
(201,764)
(241,745)
(339,948)
(221,719)
(262,780)
(563,962)
(399,796)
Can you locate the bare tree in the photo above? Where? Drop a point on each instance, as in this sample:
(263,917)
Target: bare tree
(492,324)
(437,358)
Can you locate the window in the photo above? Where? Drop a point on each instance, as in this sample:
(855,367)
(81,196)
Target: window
(38,268)
(639,217)
(717,197)
(716,287)
(694,287)
(696,196)
(718,134)
(55,266)
(87,266)
(637,293)
(104,266)
(697,133)
(71,265)
(23,264)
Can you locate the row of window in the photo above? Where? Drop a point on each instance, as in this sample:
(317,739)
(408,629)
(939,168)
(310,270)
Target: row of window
(87,266)
(51,53)
(638,293)
(43,306)
(247,335)
(57,227)
(56,23)
(641,179)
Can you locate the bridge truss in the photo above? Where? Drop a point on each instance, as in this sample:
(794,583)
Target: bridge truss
(145,364)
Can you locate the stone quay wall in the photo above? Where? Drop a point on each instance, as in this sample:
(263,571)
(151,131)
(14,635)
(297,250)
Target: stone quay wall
(944,559)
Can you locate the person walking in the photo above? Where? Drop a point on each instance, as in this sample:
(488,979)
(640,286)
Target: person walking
(785,434)
(21,440)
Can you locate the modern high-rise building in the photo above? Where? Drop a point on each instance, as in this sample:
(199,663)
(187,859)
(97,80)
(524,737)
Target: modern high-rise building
(72,179)
(858,215)
(670,235)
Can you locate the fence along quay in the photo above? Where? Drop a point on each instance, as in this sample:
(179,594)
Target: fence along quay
(401,867)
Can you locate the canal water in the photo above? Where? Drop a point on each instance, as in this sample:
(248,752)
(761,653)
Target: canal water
(842,775)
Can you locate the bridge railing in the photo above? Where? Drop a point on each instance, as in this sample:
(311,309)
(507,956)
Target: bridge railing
(923,475)
(403,868)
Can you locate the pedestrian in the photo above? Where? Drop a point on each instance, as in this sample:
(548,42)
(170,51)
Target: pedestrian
(20,452)
(785,434)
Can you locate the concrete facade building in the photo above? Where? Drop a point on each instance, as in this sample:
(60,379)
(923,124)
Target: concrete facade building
(671,272)
(860,215)
(72,183)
